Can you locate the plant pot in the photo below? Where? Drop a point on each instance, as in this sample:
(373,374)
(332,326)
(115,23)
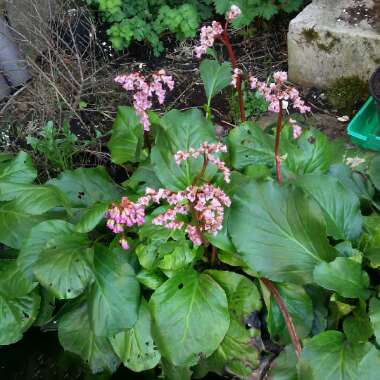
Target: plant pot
(374,89)
(12,66)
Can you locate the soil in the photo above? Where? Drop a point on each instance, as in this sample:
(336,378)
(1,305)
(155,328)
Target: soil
(374,85)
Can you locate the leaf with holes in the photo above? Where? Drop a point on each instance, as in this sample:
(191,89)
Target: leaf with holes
(86,186)
(135,346)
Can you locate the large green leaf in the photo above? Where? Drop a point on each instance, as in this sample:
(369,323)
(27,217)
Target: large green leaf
(180,131)
(237,354)
(91,217)
(357,326)
(374,171)
(43,236)
(32,199)
(15,224)
(284,366)
(186,309)
(340,206)
(114,298)
(215,77)
(344,276)
(127,139)
(329,356)
(300,308)
(314,153)
(250,145)
(278,232)
(64,266)
(76,336)
(135,346)
(374,316)
(353,181)
(172,372)
(369,365)
(19,303)
(143,177)
(18,169)
(86,186)
(17,315)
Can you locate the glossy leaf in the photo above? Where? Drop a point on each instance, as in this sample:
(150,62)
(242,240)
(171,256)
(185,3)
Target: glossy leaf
(186,309)
(15,224)
(76,336)
(127,139)
(357,326)
(340,206)
(284,366)
(43,236)
(18,169)
(330,356)
(238,354)
(135,347)
(91,217)
(180,131)
(369,365)
(278,232)
(300,308)
(114,298)
(344,276)
(374,315)
(32,199)
(215,77)
(64,266)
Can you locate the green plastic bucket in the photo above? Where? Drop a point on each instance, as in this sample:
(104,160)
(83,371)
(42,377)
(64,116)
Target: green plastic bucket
(364,129)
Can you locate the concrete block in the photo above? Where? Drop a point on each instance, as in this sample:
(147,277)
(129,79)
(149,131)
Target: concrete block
(331,39)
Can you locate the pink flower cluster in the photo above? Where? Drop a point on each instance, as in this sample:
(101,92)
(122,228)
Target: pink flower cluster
(126,214)
(145,90)
(278,92)
(235,76)
(207,202)
(207,151)
(207,38)
(233,13)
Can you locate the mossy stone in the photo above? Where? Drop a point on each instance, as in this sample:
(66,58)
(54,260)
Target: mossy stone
(347,94)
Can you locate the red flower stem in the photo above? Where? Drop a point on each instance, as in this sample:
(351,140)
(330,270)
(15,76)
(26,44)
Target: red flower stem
(230,51)
(284,311)
(277,145)
(203,170)
(213,255)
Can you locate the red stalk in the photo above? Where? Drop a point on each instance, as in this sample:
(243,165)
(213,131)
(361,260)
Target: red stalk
(230,51)
(277,145)
(284,311)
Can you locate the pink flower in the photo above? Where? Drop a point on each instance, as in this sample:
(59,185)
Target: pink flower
(277,92)
(297,130)
(233,13)
(235,76)
(207,38)
(207,151)
(145,90)
(124,244)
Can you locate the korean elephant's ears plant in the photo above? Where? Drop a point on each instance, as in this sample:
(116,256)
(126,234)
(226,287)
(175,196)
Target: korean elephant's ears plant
(211,253)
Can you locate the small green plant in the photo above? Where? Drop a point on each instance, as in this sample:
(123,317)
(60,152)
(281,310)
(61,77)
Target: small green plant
(255,105)
(148,20)
(57,146)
